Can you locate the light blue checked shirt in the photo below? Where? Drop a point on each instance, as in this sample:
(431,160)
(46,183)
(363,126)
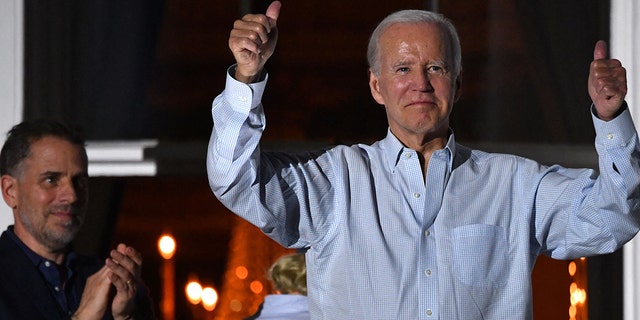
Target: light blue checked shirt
(385,244)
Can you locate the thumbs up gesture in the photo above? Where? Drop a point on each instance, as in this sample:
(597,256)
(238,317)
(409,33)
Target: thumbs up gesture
(253,40)
(607,83)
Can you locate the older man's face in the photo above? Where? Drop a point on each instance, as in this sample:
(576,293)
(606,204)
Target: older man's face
(50,193)
(414,82)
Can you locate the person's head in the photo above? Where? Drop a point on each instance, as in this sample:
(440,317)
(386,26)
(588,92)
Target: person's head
(43,164)
(289,274)
(415,72)
(414,17)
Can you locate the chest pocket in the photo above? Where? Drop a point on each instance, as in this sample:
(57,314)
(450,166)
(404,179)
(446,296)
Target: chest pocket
(479,253)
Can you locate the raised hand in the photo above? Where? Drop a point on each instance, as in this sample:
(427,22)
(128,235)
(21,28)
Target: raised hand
(122,272)
(607,83)
(253,40)
(125,264)
(95,297)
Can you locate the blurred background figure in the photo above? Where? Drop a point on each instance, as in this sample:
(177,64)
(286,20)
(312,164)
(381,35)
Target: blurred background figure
(289,298)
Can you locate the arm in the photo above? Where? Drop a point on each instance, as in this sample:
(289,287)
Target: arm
(252,41)
(269,190)
(604,208)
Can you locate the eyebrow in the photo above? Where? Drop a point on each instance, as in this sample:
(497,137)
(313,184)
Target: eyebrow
(399,63)
(82,174)
(405,62)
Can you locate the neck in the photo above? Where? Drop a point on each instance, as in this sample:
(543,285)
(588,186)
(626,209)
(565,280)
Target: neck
(425,148)
(57,256)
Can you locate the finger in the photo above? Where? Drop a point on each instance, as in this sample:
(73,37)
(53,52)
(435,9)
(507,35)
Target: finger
(119,276)
(600,51)
(123,283)
(134,255)
(254,27)
(123,264)
(130,253)
(273,11)
(241,40)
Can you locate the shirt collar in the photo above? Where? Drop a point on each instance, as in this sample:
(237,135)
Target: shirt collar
(394,148)
(34,257)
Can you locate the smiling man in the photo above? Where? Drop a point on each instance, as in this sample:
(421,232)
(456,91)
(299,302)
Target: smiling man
(44,180)
(418,226)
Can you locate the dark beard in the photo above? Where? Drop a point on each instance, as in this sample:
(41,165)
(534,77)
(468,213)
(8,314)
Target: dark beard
(52,239)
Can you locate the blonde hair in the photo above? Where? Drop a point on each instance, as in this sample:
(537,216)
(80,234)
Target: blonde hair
(289,274)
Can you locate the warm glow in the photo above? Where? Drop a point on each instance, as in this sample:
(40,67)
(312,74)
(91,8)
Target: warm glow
(194,292)
(242,272)
(236,305)
(572,268)
(572,312)
(256,286)
(573,287)
(578,297)
(209,298)
(167,246)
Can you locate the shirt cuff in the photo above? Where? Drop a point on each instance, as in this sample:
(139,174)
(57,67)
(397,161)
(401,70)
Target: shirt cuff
(615,133)
(244,97)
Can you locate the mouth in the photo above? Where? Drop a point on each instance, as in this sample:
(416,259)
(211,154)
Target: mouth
(66,213)
(63,215)
(421,103)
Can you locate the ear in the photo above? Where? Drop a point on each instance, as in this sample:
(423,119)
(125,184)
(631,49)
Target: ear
(9,190)
(458,87)
(374,85)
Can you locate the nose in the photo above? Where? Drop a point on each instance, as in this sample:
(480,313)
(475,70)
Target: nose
(67,192)
(422,82)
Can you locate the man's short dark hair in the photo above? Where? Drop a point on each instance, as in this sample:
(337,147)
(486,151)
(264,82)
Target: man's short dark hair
(19,139)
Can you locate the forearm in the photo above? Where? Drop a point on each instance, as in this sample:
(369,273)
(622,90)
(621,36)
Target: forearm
(238,123)
(583,212)
(617,192)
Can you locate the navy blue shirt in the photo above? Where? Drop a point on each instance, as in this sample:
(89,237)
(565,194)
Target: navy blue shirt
(59,278)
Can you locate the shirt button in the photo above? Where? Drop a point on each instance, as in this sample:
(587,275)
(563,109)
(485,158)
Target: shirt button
(407,155)
(609,136)
(47,264)
(429,312)
(427,272)
(416,195)
(243,99)
(56,288)
(427,233)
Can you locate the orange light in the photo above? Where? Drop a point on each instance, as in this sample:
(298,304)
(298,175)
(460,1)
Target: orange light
(573,287)
(242,272)
(235,305)
(572,268)
(209,298)
(256,286)
(194,292)
(578,297)
(572,312)
(167,246)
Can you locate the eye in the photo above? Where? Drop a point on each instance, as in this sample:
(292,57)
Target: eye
(402,70)
(436,69)
(50,181)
